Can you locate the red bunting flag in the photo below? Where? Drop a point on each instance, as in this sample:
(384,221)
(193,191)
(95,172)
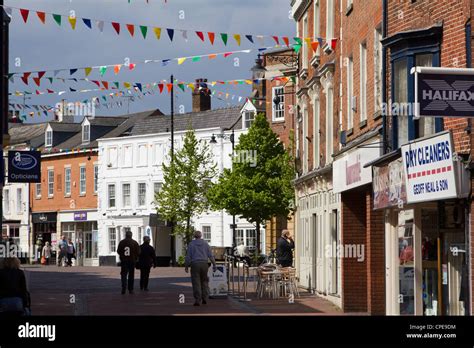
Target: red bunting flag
(131,29)
(96,82)
(160,86)
(286,40)
(276,39)
(200,35)
(333,44)
(116,27)
(314,45)
(24,14)
(41,74)
(227,54)
(50,91)
(41,16)
(211,36)
(38,92)
(25,77)
(37,81)
(170,86)
(131,66)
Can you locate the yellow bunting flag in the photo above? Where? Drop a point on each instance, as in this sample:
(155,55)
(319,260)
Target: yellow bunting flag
(248,82)
(157,32)
(87,71)
(72,21)
(237,38)
(308,41)
(191,85)
(181,60)
(127,84)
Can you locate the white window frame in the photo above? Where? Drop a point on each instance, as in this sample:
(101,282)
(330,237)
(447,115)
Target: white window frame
(350,92)
(139,159)
(96,178)
(38,192)
(316,136)
(363,81)
(67,191)
(124,204)
(278,111)
(378,70)
(304,53)
(305,139)
(139,194)
(317,24)
(203,228)
(86,133)
(125,163)
(329,124)
(330,9)
(112,231)
(82,180)
(6,201)
(50,183)
(109,197)
(48,138)
(19,200)
(158,153)
(249,117)
(109,159)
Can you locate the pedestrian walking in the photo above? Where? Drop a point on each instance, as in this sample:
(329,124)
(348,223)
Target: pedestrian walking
(46,254)
(285,246)
(71,252)
(146,260)
(128,250)
(62,251)
(14,296)
(197,256)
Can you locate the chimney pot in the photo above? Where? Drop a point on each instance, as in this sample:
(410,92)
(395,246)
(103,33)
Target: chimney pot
(201,96)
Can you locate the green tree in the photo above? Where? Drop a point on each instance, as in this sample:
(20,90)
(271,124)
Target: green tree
(187,181)
(260,188)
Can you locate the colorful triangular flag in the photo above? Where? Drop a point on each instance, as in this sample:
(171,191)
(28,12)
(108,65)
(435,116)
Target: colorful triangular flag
(224,37)
(157,32)
(249,37)
(211,37)
(144,30)
(170,33)
(237,38)
(116,27)
(24,14)
(72,21)
(41,16)
(87,22)
(131,29)
(57,18)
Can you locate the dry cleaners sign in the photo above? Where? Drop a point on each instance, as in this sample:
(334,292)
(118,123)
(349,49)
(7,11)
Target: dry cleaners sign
(444,92)
(429,169)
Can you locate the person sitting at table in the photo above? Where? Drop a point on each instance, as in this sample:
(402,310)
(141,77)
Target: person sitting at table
(285,246)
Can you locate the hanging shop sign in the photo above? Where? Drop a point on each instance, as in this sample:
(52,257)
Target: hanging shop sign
(349,172)
(429,169)
(444,92)
(389,185)
(24,166)
(80,216)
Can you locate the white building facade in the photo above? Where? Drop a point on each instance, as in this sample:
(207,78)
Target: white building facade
(131,172)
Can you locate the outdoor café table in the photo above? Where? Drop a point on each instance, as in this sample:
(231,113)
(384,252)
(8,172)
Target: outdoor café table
(270,279)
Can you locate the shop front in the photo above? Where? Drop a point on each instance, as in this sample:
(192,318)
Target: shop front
(423,192)
(44,230)
(81,228)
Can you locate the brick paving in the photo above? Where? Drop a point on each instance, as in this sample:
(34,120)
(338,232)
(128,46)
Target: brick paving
(96,291)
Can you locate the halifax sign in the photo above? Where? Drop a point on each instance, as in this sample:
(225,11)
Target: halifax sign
(24,166)
(445,92)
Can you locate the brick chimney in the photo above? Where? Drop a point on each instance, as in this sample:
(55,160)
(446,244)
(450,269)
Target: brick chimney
(201,96)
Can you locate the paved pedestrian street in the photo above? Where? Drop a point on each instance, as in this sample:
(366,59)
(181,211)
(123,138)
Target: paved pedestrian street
(96,291)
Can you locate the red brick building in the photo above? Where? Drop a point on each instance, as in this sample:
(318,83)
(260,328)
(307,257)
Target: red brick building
(428,259)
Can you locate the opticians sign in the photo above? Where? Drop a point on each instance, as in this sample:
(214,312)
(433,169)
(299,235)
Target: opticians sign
(429,169)
(24,166)
(444,92)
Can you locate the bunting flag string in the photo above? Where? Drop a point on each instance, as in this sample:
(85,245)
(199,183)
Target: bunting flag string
(88,22)
(139,86)
(102,69)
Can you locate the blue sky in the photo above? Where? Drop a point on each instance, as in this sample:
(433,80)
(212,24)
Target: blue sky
(48,47)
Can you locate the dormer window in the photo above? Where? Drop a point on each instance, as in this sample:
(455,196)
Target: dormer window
(86,133)
(48,142)
(249,117)
(248,113)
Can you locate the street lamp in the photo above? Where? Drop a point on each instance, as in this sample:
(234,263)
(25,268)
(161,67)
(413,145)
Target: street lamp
(258,70)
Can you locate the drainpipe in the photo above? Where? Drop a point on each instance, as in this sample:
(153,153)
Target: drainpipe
(384,74)
(468,232)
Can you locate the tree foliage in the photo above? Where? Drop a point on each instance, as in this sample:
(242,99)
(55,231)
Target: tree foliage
(187,181)
(259,190)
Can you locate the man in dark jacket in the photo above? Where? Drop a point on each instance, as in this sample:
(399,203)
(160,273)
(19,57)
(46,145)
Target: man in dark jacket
(285,246)
(146,260)
(128,250)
